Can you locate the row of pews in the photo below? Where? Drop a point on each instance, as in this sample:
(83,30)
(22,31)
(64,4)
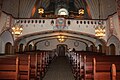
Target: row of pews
(94,66)
(25,66)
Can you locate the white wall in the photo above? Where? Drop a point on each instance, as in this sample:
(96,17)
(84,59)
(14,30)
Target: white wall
(4,38)
(29,28)
(114,40)
(3,19)
(53,45)
(113,27)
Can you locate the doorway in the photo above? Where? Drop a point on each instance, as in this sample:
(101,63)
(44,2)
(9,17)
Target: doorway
(21,47)
(61,49)
(8,48)
(100,48)
(112,49)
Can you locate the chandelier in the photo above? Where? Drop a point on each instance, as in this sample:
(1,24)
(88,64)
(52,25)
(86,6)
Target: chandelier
(100,29)
(61,38)
(41,11)
(17,28)
(81,11)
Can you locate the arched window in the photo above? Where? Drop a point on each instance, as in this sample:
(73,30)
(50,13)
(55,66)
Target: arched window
(62,11)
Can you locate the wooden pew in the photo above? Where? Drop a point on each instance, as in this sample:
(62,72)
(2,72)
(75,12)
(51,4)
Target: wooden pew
(9,67)
(24,66)
(102,62)
(27,66)
(43,64)
(39,66)
(111,60)
(117,71)
(87,68)
(76,67)
(113,72)
(85,65)
(104,70)
(38,63)
(33,66)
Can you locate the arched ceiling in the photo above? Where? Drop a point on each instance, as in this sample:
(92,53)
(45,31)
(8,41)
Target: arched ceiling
(29,8)
(52,5)
(53,35)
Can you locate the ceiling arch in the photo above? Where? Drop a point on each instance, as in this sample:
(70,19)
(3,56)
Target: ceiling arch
(54,37)
(52,34)
(55,32)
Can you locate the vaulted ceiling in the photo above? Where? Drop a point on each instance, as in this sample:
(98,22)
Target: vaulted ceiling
(52,5)
(29,8)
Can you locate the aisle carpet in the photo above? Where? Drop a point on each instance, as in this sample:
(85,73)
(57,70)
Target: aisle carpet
(59,69)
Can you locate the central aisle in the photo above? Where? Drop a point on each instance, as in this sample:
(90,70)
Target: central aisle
(59,69)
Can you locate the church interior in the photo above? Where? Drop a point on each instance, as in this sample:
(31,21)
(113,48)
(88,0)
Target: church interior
(60,40)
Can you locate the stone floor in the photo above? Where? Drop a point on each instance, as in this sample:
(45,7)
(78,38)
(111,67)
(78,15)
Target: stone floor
(59,69)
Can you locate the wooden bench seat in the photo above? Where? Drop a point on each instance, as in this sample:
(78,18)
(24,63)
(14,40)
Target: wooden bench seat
(24,66)
(102,59)
(104,70)
(9,68)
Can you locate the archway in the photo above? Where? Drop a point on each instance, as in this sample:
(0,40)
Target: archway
(35,47)
(21,48)
(30,47)
(61,49)
(100,48)
(114,42)
(91,48)
(112,49)
(6,39)
(8,48)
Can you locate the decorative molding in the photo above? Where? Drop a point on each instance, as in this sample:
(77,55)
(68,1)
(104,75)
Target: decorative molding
(60,23)
(47,43)
(76,43)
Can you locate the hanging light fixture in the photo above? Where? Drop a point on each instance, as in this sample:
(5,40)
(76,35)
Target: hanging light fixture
(100,29)
(41,9)
(81,11)
(17,28)
(61,38)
